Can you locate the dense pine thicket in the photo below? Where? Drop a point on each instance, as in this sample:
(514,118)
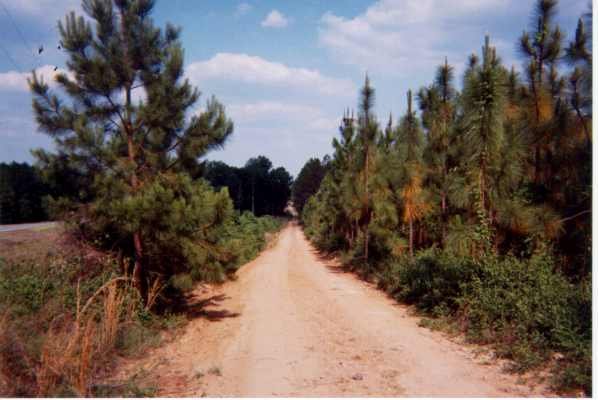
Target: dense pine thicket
(255,187)
(479,207)
(126,129)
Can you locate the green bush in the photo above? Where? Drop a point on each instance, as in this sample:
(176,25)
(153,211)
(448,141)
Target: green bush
(432,281)
(244,237)
(182,282)
(137,338)
(26,293)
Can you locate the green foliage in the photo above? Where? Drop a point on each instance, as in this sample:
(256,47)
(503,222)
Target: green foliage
(181,222)
(249,235)
(182,282)
(43,295)
(192,232)
(27,293)
(137,339)
(432,280)
(243,238)
(29,288)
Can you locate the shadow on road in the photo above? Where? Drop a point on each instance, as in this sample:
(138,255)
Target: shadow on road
(203,309)
(330,260)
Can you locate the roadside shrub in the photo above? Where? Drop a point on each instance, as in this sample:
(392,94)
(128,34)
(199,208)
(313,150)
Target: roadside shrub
(27,292)
(244,237)
(182,282)
(433,281)
(136,339)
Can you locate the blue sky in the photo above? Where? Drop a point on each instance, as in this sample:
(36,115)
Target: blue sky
(285,70)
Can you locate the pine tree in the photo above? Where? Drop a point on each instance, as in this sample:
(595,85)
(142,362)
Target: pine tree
(410,144)
(125,124)
(367,135)
(579,55)
(484,108)
(438,117)
(343,183)
(542,48)
(483,103)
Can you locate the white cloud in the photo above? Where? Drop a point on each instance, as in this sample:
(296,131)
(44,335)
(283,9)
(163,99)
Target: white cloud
(403,36)
(17,81)
(275,19)
(286,132)
(251,112)
(256,70)
(242,9)
(47,11)
(309,117)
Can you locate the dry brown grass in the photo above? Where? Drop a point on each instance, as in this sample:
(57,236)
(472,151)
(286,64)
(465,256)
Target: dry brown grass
(66,345)
(71,347)
(113,302)
(153,293)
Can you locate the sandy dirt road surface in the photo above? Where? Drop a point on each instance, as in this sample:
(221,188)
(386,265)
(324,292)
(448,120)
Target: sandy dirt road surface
(295,325)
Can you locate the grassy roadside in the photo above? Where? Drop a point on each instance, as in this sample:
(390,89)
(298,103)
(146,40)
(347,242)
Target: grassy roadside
(66,313)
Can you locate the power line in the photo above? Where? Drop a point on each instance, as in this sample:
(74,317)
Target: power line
(20,33)
(16,65)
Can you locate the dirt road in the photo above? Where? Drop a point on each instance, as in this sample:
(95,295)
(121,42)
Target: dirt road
(33,226)
(292,324)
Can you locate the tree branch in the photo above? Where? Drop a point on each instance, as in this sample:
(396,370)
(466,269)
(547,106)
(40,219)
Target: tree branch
(575,215)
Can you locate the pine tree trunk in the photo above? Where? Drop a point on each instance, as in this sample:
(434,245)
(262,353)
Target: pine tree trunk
(139,271)
(411,237)
(253,195)
(443,218)
(537,115)
(537,166)
(367,204)
(584,125)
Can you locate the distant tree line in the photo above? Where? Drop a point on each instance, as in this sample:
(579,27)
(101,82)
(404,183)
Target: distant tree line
(33,193)
(308,181)
(255,187)
(22,194)
(29,193)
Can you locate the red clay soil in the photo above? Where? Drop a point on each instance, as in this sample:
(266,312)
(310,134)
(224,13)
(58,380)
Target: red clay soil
(295,325)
